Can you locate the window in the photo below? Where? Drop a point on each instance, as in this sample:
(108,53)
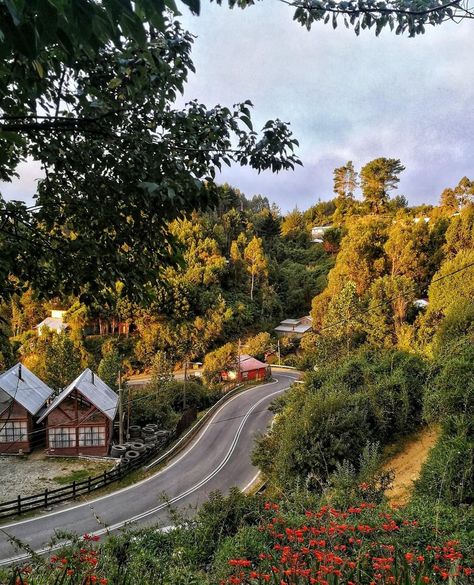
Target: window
(91,436)
(62,437)
(13,431)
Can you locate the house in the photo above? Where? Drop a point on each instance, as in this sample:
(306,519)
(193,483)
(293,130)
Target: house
(294,327)
(249,369)
(54,323)
(22,399)
(80,419)
(420,303)
(317,233)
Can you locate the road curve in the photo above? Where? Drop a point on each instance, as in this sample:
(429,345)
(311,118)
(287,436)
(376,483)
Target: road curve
(217,459)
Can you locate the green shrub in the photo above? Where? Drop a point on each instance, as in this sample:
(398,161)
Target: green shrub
(448,474)
(370,396)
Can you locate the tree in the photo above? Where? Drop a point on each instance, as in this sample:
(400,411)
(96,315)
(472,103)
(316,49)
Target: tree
(408,250)
(460,232)
(99,114)
(378,178)
(445,292)
(256,262)
(389,298)
(345,181)
(258,345)
(161,369)
(109,368)
(55,359)
(293,227)
(218,361)
(342,319)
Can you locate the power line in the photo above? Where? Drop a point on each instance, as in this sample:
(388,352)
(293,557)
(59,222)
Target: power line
(362,311)
(391,299)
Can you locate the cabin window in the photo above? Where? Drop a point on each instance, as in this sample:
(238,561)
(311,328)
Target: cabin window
(91,436)
(13,431)
(62,438)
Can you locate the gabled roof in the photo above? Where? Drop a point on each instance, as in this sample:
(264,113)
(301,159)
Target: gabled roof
(93,389)
(249,363)
(53,323)
(290,322)
(291,329)
(21,385)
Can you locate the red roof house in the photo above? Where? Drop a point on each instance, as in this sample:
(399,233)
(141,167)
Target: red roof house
(249,369)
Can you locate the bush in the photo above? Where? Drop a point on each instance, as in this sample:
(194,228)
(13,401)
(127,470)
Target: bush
(448,474)
(449,396)
(372,396)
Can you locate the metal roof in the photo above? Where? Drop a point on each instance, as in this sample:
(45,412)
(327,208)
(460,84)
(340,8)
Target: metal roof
(291,329)
(53,323)
(25,388)
(94,390)
(249,363)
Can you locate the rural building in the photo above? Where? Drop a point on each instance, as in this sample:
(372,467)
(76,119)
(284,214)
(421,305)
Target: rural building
(22,399)
(80,419)
(294,327)
(54,323)
(317,233)
(250,369)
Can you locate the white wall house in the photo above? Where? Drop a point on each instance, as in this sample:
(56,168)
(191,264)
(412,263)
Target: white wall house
(54,323)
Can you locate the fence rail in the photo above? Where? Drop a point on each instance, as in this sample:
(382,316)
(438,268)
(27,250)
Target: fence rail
(23,504)
(47,498)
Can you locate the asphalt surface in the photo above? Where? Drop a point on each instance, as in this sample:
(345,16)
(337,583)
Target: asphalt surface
(217,459)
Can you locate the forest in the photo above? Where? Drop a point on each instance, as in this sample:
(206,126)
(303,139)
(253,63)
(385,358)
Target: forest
(390,289)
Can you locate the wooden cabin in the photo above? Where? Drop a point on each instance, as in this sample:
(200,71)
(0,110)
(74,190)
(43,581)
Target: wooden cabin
(23,397)
(79,421)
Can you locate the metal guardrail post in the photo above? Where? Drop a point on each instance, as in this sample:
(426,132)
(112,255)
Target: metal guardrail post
(19,504)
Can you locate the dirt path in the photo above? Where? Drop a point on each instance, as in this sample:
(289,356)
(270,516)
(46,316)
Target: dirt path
(407,464)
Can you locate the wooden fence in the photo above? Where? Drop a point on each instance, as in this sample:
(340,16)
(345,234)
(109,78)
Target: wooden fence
(77,488)
(23,504)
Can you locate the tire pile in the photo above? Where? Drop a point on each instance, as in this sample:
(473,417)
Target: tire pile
(143,441)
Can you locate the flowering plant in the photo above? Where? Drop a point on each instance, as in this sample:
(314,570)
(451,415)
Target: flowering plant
(358,546)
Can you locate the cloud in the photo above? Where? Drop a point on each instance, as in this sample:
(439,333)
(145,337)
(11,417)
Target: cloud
(346,97)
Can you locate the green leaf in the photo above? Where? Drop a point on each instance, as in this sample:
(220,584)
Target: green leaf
(194,5)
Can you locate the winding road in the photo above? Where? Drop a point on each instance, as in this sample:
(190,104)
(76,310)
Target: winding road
(217,459)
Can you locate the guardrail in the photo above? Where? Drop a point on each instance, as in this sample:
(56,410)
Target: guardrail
(23,504)
(189,436)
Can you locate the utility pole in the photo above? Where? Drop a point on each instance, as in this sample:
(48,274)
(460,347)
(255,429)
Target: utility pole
(120,389)
(238,363)
(184,384)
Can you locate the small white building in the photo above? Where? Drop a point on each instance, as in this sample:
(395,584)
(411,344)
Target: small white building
(420,303)
(294,327)
(54,323)
(317,233)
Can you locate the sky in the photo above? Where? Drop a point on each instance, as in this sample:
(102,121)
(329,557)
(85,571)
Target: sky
(346,97)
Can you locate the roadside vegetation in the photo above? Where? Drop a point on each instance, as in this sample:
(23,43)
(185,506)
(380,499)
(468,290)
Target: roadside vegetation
(378,369)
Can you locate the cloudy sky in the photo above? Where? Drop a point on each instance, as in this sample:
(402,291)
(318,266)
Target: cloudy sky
(347,98)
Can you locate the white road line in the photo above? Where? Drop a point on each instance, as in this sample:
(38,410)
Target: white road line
(160,507)
(143,481)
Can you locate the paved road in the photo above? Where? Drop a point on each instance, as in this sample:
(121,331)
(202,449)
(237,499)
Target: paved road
(217,459)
